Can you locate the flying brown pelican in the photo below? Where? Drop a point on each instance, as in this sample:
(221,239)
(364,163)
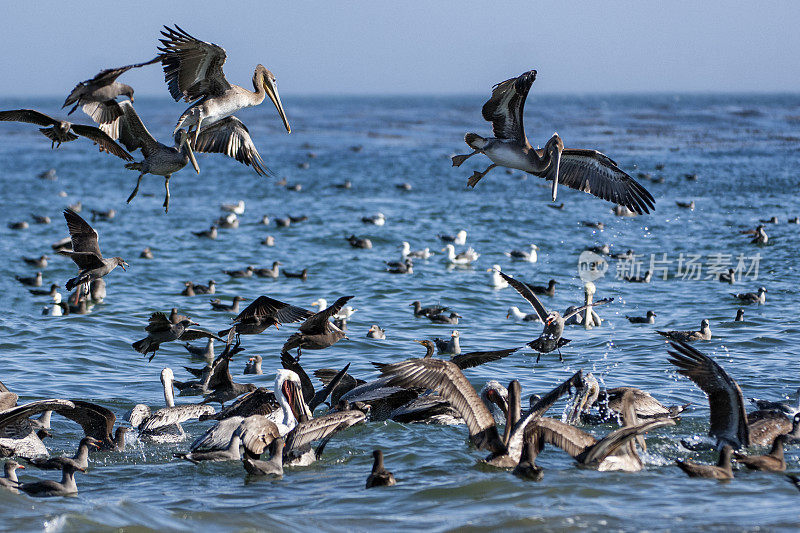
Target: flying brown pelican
(59,131)
(584,170)
(86,253)
(193,71)
(98,95)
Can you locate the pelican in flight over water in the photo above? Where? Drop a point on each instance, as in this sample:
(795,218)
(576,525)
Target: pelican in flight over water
(193,71)
(585,170)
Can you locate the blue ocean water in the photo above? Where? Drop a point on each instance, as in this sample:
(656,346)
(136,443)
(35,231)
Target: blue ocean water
(743,149)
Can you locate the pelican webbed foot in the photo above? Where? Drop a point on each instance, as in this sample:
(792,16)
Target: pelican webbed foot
(476,176)
(166,198)
(135,189)
(458,159)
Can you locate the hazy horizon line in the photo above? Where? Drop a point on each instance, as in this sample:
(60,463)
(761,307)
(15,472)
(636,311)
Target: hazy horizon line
(464,95)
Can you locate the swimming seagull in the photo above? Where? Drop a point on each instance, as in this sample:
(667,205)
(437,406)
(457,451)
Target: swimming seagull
(253,366)
(497,280)
(237,208)
(81,457)
(233,307)
(452,318)
(59,131)
(428,310)
(32,281)
(86,253)
(376,220)
(210,233)
(98,95)
(375,332)
(10,480)
(159,159)
(550,338)
(529,256)
(464,258)
(38,262)
(759,297)
(193,71)
(704,334)
(406,251)
(451,346)
(459,238)
(585,170)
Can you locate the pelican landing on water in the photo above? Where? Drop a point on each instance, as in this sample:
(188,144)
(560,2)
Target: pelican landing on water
(193,71)
(585,170)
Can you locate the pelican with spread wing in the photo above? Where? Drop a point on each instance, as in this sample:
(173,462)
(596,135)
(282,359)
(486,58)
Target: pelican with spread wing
(585,170)
(193,72)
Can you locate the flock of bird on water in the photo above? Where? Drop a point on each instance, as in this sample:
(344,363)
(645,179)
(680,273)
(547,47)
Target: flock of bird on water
(269,429)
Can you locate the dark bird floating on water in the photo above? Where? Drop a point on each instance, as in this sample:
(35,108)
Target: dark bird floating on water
(722,470)
(233,307)
(193,71)
(704,334)
(428,310)
(59,131)
(759,297)
(649,319)
(86,253)
(379,477)
(32,281)
(584,170)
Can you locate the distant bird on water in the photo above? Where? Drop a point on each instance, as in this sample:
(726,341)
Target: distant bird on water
(86,253)
(585,170)
(704,334)
(59,131)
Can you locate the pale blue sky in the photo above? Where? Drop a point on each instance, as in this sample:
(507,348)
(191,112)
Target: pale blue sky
(376,47)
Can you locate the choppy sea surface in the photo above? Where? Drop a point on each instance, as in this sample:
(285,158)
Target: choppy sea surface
(744,151)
